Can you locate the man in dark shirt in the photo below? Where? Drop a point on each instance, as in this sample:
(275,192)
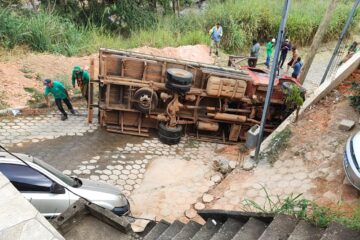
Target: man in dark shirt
(254,54)
(285,47)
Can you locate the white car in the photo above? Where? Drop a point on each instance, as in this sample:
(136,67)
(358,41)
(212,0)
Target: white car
(352,160)
(52,192)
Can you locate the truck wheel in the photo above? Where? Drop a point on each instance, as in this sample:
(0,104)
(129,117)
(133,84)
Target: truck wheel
(179,76)
(146,100)
(177,87)
(168,135)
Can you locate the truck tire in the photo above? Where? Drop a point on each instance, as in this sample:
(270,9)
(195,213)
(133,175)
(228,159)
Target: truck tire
(169,135)
(177,87)
(146,100)
(179,76)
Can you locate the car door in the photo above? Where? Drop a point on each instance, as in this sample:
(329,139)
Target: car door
(37,188)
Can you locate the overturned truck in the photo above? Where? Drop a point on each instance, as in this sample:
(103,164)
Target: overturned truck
(139,92)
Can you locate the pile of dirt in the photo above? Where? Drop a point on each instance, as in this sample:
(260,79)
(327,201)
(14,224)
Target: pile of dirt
(28,71)
(196,53)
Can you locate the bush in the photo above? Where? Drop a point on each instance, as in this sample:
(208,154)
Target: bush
(355,99)
(242,20)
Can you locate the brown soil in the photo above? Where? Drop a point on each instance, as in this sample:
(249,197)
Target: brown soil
(27,70)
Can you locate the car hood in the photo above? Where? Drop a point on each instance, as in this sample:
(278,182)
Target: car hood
(88,185)
(356,146)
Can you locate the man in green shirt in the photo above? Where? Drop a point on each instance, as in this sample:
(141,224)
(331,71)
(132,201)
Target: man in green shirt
(60,94)
(82,78)
(269,49)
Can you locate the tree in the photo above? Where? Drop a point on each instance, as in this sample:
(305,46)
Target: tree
(319,35)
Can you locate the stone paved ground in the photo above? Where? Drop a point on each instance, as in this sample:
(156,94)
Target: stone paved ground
(160,180)
(311,165)
(20,130)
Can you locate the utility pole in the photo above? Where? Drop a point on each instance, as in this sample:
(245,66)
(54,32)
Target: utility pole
(274,68)
(319,35)
(343,33)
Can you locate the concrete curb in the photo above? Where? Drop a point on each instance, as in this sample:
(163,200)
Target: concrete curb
(343,72)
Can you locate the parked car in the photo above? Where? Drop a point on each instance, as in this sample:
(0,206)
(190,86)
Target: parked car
(352,160)
(52,192)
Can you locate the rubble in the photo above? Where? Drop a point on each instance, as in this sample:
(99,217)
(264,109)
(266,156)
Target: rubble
(248,164)
(199,206)
(216,178)
(207,198)
(346,124)
(190,213)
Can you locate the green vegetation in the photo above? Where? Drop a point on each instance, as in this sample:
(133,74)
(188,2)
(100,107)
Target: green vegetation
(3,104)
(294,99)
(355,99)
(299,207)
(277,144)
(77,29)
(36,96)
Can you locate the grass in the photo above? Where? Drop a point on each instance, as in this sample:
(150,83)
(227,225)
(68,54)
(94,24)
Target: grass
(278,143)
(3,104)
(52,33)
(297,206)
(36,96)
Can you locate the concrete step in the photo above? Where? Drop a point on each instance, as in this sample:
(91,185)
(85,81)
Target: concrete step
(251,230)
(172,230)
(280,228)
(228,230)
(157,230)
(188,231)
(207,230)
(336,231)
(306,231)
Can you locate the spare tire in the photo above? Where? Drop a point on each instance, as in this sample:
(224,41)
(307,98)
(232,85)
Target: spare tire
(145,100)
(177,87)
(179,76)
(169,135)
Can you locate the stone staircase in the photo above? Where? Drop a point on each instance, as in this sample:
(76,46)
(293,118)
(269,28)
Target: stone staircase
(225,225)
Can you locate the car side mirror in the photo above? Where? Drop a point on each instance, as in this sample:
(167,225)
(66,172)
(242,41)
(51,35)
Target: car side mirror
(57,188)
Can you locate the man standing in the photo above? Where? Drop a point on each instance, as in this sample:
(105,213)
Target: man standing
(269,49)
(82,78)
(60,94)
(295,55)
(297,68)
(285,47)
(254,54)
(216,33)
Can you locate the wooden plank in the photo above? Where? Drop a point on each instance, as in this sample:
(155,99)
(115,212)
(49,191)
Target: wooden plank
(107,95)
(91,91)
(234,132)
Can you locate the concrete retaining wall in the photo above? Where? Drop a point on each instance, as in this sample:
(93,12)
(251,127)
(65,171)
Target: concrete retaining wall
(19,219)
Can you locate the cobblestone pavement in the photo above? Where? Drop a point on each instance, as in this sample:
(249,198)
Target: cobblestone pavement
(20,130)
(311,165)
(160,180)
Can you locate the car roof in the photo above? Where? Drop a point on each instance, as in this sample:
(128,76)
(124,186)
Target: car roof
(7,158)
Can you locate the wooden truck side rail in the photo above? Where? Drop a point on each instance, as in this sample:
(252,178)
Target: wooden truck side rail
(135,95)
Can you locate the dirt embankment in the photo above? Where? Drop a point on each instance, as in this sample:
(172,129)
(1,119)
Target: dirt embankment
(28,71)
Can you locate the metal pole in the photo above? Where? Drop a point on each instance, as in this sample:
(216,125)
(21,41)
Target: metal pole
(346,27)
(274,67)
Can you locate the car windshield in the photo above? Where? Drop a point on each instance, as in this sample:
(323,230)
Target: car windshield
(66,179)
